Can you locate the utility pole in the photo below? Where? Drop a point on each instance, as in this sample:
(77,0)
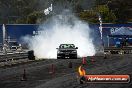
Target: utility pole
(4,39)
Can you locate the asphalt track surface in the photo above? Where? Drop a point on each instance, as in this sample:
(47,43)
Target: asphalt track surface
(39,76)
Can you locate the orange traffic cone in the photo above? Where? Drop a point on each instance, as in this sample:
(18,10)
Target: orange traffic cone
(105,57)
(84,61)
(52,69)
(24,77)
(70,64)
(92,59)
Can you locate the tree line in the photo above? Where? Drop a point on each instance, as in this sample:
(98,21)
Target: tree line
(31,11)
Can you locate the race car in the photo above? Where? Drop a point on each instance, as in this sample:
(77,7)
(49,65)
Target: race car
(68,51)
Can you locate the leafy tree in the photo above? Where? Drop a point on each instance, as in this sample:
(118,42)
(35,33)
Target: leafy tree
(33,17)
(92,15)
(89,16)
(122,9)
(106,13)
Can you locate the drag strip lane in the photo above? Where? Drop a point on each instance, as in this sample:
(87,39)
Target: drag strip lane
(123,66)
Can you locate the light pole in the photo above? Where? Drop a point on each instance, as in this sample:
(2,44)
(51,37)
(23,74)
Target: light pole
(4,39)
(101,30)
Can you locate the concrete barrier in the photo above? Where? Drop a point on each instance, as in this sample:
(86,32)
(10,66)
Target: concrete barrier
(16,58)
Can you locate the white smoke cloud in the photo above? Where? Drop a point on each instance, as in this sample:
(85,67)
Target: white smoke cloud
(61,29)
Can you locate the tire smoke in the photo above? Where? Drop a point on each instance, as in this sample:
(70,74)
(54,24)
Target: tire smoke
(61,29)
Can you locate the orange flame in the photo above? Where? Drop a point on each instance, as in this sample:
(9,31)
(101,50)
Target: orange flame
(81,71)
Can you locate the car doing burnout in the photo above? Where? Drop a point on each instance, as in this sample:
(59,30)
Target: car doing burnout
(67,51)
